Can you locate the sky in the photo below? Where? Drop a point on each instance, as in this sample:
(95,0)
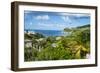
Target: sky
(39,20)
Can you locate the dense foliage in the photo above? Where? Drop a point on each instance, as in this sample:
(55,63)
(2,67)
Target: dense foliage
(73,46)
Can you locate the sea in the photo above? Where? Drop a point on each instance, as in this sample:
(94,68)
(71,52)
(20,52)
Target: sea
(49,32)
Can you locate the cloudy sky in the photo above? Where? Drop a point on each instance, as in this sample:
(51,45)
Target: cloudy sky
(37,20)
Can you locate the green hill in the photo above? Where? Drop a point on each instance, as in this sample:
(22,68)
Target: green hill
(84,26)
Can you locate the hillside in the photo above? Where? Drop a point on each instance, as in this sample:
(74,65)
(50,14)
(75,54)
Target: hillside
(84,26)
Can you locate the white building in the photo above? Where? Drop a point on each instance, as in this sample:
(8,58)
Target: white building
(28,43)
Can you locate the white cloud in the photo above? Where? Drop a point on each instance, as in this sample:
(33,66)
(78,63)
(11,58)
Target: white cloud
(42,17)
(66,18)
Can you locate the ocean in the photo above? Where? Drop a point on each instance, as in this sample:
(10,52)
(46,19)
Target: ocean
(49,32)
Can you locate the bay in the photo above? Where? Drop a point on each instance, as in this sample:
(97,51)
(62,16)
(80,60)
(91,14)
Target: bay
(49,32)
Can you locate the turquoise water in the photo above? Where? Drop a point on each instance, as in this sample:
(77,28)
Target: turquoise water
(49,32)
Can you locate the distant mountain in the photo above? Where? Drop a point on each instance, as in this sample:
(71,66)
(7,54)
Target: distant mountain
(84,26)
(77,28)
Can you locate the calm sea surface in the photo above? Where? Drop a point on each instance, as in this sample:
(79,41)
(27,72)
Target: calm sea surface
(49,32)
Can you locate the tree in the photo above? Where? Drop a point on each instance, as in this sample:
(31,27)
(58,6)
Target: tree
(82,38)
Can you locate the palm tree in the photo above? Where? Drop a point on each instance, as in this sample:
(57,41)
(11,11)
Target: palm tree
(82,38)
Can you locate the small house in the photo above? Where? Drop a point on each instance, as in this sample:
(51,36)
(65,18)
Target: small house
(28,43)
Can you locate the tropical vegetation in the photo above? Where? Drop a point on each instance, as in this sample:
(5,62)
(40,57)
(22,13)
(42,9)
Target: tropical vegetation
(75,45)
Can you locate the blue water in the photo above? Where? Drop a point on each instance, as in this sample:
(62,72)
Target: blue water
(49,32)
